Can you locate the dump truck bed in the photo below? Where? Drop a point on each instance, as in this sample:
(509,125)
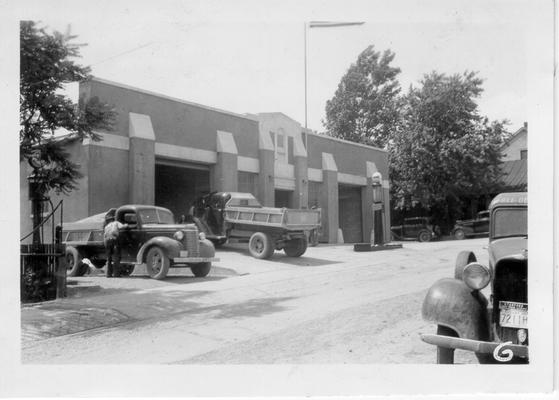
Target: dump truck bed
(284,218)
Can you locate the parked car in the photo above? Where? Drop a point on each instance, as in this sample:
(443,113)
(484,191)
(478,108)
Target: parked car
(152,237)
(418,228)
(495,329)
(238,216)
(479,226)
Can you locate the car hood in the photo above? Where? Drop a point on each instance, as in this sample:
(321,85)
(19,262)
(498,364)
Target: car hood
(513,247)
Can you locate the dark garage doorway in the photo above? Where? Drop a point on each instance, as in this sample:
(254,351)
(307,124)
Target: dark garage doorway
(177,185)
(350,215)
(283,198)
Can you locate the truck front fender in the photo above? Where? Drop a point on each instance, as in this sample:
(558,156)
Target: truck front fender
(449,302)
(207,249)
(171,248)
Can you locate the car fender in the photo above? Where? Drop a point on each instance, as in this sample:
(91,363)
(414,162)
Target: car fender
(449,302)
(171,248)
(207,248)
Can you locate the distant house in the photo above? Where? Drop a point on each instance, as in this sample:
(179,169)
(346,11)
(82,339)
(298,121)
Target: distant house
(515,161)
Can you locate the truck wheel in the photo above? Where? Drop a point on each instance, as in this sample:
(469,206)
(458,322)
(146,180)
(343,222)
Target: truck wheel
(445,355)
(464,258)
(459,234)
(201,269)
(424,236)
(74,264)
(157,263)
(260,245)
(295,247)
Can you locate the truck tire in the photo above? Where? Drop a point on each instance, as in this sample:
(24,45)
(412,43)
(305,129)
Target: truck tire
(201,270)
(261,245)
(74,264)
(424,236)
(459,234)
(157,263)
(295,247)
(444,354)
(464,258)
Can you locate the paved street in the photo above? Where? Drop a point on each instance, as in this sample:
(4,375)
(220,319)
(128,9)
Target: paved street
(332,305)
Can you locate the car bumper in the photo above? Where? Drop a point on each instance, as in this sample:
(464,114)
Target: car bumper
(499,350)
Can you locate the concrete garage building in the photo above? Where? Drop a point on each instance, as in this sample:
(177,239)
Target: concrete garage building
(167,151)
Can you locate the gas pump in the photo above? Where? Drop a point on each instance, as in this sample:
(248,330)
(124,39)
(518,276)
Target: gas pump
(377,236)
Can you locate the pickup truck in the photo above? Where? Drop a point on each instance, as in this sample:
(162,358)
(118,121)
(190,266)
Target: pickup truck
(235,216)
(151,237)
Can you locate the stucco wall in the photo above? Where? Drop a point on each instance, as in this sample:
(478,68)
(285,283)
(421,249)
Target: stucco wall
(108,178)
(174,121)
(350,158)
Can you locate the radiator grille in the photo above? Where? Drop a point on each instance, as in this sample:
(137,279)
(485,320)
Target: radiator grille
(192,244)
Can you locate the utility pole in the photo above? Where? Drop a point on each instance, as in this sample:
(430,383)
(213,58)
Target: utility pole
(319,24)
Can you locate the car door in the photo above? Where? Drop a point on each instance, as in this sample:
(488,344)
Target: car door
(130,238)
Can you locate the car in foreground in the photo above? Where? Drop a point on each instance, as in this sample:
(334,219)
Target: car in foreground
(151,237)
(477,227)
(417,228)
(494,327)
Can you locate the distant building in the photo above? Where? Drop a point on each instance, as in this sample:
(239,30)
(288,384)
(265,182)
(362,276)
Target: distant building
(515,161)
(167,151)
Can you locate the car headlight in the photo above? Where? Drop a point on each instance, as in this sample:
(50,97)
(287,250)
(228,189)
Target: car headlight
(476,276)
(179,235)
(202,236)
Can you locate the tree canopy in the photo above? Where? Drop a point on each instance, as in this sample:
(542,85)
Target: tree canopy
(364,108)
(444,150)
(46,65)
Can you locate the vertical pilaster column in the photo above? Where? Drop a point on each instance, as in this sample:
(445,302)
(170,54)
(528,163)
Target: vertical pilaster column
(266,174)
(225,171)
(329,199)
(301,192)
(141,160)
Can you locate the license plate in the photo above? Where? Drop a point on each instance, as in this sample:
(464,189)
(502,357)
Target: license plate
(513,315)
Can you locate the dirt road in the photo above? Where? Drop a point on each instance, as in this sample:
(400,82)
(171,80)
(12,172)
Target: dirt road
(332,305)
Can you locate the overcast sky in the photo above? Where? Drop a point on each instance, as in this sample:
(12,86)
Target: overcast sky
(254,62)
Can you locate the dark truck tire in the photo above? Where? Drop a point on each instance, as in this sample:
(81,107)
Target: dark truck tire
(74,264)
(444,354)
(157,263)
(261,245)
(295,247)
(201,270)
(464,258)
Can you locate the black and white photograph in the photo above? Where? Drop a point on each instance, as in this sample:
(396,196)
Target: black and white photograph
(279,199)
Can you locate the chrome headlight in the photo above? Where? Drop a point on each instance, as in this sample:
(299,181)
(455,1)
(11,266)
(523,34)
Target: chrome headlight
(179,235)
(202,236)
(476,276)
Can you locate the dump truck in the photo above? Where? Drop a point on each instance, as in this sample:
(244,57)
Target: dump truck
(234,216)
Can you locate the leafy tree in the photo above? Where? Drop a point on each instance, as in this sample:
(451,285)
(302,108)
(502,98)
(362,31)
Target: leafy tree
(46,65)
(365,106)
(444,151)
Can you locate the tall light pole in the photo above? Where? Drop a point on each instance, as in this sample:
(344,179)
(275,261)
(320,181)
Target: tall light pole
(320,24)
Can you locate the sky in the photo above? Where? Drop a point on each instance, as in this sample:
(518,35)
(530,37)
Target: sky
(254,62)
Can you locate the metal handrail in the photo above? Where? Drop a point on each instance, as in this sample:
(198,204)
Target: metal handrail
(44,221)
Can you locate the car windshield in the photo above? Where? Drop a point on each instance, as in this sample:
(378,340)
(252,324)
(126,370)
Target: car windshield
(510,222)
(156,216)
